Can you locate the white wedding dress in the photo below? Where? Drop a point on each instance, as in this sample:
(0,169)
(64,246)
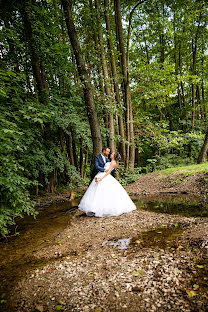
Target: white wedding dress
(106,198)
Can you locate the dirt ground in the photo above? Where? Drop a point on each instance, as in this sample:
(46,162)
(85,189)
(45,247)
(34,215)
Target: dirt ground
(178,182)
(139,261)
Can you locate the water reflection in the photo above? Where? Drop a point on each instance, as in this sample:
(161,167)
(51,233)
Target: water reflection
(188,206)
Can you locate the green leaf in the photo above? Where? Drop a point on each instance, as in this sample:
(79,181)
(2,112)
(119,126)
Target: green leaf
(137,273)
(191,293)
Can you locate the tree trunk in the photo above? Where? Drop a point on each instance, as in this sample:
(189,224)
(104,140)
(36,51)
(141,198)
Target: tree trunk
(106,80)
(85,165)
(203,153)
(81,158)
(70,149)
(37,66)
(100,80)
(115,81)
(127,100)
(84,77)
(194,55)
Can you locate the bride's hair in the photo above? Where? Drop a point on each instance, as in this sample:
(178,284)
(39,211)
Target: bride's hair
(117,156)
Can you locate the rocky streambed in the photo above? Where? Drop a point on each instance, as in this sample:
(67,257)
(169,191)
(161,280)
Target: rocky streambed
(148,260)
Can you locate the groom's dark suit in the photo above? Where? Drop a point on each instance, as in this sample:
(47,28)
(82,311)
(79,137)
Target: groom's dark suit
(98,165)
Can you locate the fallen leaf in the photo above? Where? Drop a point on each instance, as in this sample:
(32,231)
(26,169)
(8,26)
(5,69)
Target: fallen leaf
(195,286)
(200,266)
(137,273)
(3,301)
(191,293)
(180,247)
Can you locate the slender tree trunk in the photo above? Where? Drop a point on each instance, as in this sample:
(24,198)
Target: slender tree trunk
(106,79)
(100,79)
(74,150)
(115,80)
(203,153)
(85,164)
(202,87)
(70,149)
(84,77)
(81,154)
(37,65)
(177,69)
(194,55)
(130,126)
(193,87)
(129,32)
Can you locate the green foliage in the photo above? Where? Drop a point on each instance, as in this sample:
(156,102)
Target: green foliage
(42,146)
(31,152)
(190,169)
(125,176)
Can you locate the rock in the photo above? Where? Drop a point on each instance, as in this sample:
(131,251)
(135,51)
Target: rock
(39,308)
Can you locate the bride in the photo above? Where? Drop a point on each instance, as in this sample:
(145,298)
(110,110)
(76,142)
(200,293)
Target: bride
(105,196)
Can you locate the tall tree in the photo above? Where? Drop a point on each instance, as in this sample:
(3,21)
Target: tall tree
(127,94)
(38,65)
(111,50)
(84,77)
(106,79)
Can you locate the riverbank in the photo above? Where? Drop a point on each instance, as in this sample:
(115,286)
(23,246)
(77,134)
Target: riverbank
(162,266)
(186,180)
(146,260)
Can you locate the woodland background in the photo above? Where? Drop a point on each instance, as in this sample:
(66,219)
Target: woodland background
(79,75)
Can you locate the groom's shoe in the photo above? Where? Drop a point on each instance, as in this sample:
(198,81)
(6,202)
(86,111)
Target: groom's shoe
(91,214)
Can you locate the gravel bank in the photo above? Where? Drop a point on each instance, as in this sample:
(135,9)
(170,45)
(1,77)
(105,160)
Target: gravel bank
(87,275)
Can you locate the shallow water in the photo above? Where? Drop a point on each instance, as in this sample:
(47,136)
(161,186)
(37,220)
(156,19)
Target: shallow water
(184,205)
(16,251)
(166,237)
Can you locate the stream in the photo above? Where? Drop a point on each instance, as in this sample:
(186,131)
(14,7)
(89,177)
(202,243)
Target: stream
(30,235)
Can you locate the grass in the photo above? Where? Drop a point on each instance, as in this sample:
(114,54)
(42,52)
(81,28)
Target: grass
(191,168)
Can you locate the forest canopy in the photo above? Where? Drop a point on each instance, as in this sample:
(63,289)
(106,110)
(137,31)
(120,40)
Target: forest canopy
(79,75)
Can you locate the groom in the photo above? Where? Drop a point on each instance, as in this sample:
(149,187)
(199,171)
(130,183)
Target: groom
(100,161)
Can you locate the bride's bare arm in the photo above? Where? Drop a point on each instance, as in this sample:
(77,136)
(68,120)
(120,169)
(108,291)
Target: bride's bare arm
(112,166)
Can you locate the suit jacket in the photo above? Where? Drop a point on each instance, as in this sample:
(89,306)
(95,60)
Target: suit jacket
(98,165)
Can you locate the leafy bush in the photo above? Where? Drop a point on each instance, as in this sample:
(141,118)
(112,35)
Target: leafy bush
(125,176)
(31,151)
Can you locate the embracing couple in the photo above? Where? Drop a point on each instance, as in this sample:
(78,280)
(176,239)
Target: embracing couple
(105,196)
